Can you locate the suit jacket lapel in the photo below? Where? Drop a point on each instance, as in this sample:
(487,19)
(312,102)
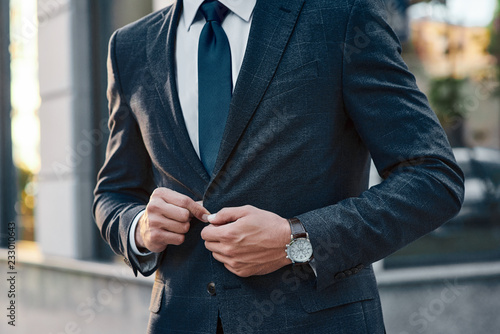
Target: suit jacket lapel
(162,36)
(272,26)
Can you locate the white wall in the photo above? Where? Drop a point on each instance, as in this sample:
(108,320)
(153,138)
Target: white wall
(63,217)
(63,214)
(159,4)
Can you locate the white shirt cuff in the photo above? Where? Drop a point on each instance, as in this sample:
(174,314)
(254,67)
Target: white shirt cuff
(133,245)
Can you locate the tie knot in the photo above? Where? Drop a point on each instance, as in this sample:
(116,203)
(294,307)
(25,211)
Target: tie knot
(214,11)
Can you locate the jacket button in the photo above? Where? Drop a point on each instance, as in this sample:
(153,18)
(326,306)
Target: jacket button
(211,289)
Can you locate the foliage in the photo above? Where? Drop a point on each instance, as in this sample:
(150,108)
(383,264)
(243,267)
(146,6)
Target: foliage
(494,48)
(447,99)
(26,202)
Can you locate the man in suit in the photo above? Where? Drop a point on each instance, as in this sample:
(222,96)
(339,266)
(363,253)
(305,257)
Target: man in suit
(238,159)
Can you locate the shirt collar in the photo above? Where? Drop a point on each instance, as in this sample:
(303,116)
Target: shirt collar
(243,9)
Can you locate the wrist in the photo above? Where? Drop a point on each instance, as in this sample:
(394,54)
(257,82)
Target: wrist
(286,233)
(284,240)
(299,250)
(139,241)
(134,245)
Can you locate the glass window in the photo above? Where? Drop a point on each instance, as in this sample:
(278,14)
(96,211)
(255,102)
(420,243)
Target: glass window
(25,101)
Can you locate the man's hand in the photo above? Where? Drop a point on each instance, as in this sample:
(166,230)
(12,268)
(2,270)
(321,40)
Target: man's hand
(247,240)
(167,219)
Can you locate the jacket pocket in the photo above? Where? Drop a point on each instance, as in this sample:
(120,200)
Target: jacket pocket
(353,289)
(157,296)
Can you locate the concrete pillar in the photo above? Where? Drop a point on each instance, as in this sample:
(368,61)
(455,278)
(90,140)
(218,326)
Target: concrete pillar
(73,36)
(63,215)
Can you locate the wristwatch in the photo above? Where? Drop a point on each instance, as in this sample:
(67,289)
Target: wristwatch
(299,250)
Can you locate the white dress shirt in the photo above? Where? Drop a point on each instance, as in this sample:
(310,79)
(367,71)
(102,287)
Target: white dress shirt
(237,27)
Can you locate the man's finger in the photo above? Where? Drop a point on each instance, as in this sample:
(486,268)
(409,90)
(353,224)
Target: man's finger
(173,212)
(159,240)
(183,201)
(222,259)
(198,211)
(229,215)
(175,226)
(211,233)
(214,247)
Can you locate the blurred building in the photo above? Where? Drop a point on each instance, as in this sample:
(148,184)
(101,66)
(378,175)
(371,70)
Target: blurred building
(447,50)
(451,50)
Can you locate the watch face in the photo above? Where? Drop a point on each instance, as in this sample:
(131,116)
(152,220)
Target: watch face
(300,250)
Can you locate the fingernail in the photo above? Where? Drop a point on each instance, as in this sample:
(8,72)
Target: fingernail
(204,218)
(212,217)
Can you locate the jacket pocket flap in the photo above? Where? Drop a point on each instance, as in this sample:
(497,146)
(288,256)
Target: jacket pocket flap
(349,290)
(157,297)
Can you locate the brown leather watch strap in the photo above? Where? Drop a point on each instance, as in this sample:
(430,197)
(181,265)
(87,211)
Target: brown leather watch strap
(298,230)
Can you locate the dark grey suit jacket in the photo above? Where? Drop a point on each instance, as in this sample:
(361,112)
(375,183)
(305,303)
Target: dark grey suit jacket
(322,86)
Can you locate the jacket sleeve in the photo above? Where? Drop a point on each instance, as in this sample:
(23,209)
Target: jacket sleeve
(422,187)
(125,182)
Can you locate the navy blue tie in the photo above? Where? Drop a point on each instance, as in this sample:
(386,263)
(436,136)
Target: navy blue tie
(214,82)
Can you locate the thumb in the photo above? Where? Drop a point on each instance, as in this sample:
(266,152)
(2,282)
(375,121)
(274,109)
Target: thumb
(228,215)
